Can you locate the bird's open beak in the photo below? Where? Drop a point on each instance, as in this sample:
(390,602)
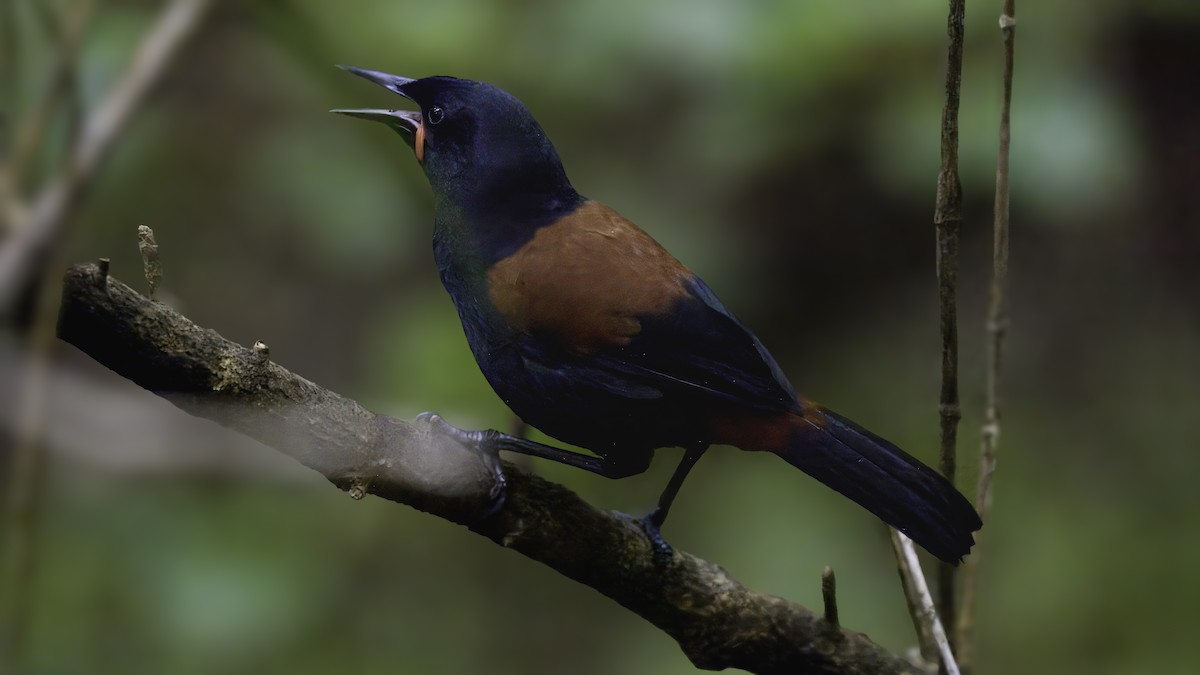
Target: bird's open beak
(408,122)
(403,120)
(394,83)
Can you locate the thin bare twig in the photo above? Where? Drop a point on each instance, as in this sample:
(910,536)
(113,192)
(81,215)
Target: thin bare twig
(947,221)
(151,263)
(924,614)
(912,579)
(24,251)
(997,324)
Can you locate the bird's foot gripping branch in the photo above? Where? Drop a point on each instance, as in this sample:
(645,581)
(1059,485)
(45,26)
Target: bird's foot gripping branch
(453,474)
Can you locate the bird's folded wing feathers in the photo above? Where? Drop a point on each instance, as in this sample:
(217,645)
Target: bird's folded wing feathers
(603,300)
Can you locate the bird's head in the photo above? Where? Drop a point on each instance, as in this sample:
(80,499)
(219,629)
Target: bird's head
(478,145)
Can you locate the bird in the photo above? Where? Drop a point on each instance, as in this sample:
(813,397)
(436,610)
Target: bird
(589,330)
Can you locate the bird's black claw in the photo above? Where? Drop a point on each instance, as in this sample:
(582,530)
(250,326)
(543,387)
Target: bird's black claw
(651,524)
(498,494)
(485,443)
(463,436)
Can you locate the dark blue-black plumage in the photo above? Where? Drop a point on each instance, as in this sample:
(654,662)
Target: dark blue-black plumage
(590,331)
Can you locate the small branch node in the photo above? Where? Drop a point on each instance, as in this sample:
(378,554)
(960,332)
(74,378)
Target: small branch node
(991,429)
(1007,22)
(950,410)
(103,265)
(151,265)
(829,595)
(261,351)
(357,490)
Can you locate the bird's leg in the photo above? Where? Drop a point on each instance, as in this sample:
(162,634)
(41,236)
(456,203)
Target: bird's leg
(690,456)
(652,523)
(493,441)
(502,441)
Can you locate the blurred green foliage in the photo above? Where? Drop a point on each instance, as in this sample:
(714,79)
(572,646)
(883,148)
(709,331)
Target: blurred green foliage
(786,151)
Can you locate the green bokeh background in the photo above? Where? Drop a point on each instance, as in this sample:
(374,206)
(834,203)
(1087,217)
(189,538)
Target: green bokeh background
(786,151)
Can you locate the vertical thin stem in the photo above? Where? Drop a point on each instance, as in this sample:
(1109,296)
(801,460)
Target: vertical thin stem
(997,324)
(8,113)
(947,221)
(9,52)
(23,491)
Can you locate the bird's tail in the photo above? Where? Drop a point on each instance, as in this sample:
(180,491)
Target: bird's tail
(883,479)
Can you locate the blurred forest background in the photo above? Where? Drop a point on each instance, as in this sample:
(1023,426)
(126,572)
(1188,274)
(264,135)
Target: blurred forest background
(787,152)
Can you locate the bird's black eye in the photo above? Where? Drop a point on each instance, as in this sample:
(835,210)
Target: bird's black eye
(435,115)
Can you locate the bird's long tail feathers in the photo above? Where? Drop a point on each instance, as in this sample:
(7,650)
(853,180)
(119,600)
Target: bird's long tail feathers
(883,479)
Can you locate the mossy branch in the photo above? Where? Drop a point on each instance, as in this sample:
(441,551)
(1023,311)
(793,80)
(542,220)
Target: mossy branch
(453,474)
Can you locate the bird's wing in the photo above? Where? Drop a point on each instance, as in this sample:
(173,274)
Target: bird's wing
(699,346)
(606,300)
